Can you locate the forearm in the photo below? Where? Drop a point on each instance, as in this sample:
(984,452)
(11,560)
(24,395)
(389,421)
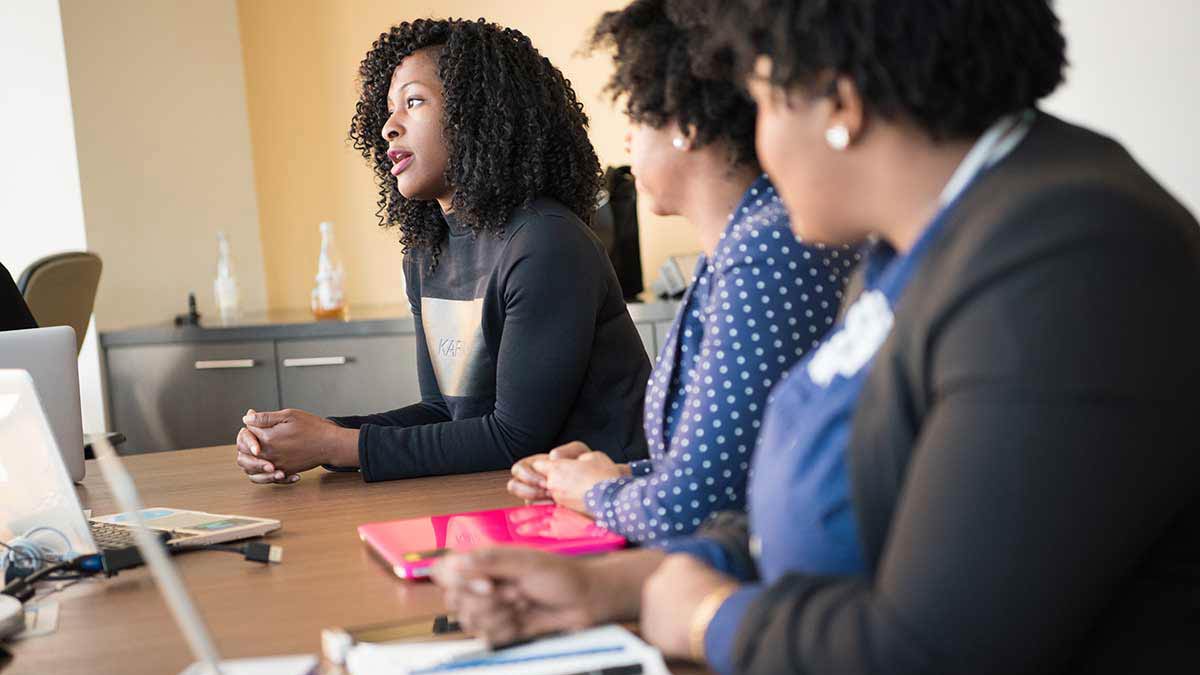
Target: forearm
(342,448)
(616,583)
(425,412)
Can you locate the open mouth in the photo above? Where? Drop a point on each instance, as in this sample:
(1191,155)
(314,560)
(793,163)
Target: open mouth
(400,160)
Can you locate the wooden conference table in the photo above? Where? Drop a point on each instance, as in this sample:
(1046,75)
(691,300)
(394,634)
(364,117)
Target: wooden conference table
(327,577)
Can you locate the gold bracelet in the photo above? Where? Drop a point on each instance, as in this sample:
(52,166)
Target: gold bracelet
(703,615)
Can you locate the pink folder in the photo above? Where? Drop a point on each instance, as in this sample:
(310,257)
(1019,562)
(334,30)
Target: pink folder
(411,546)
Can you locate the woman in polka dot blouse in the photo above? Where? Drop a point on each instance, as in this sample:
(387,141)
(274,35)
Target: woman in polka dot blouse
(759,301)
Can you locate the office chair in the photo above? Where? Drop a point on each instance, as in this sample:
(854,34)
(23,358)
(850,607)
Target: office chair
(60,290)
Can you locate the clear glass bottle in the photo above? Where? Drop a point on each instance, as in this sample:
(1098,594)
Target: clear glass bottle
(225,288)
(329,294)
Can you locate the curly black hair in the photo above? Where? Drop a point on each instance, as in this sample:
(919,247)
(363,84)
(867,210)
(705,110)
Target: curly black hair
(953,67)
(664,77)
(513,127)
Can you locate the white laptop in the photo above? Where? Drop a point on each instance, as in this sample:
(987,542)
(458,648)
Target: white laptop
(36,491)
(50,356)
(166,577)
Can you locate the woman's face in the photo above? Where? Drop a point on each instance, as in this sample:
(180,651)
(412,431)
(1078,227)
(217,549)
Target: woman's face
(413,129)
(811,178)
(658,166)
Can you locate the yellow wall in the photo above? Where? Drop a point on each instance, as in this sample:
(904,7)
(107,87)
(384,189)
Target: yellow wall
(301,57)
(164,154)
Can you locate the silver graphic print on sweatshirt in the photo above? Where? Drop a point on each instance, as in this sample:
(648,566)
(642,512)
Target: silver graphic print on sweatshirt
(454,335)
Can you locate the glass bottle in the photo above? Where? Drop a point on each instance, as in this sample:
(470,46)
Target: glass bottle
(329,294)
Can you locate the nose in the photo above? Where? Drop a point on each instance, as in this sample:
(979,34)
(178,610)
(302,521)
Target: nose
(391,128)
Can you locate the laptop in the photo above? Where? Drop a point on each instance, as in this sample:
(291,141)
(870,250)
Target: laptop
(170,585)
(37,497)
(411,546)
(50,356)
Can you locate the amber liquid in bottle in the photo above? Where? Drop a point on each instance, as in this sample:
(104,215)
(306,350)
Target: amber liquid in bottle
(339,313)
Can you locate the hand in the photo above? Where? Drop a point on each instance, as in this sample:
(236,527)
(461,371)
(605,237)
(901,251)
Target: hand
(568,480)
(291,441)
(528,483)
(259,471)
(670,598)
(509,594)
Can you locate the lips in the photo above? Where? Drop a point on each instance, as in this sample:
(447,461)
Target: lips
(400,160)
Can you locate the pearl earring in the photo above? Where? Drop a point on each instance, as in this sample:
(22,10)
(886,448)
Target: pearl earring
(678,142)
(838,137)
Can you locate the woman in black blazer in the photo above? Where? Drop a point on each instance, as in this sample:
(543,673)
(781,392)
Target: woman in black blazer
(1023,477)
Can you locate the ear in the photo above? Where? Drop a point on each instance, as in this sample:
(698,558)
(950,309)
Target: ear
(847,110)
(689,135)
(684,139)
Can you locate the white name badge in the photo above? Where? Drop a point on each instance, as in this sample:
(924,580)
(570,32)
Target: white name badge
(868,322)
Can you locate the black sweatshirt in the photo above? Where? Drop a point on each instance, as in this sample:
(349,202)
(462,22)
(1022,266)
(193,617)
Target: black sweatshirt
(523,343)
(14,313)
(1024,463)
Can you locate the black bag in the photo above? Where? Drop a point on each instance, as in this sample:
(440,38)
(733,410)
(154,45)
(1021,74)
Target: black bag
(616,225)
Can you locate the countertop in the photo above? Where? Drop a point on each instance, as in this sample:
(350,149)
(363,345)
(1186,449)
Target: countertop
(288,324)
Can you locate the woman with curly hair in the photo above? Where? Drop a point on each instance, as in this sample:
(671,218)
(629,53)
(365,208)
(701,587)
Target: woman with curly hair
(523,338)
(1007,404)
(759,301)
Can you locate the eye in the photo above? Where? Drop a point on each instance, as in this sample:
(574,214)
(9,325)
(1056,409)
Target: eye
(412,102)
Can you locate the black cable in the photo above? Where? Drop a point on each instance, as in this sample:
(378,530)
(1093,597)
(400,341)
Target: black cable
(22,588)
(219,547)
(255,550)
(71,577)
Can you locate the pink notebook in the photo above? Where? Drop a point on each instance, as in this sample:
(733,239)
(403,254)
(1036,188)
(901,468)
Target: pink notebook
(411,546)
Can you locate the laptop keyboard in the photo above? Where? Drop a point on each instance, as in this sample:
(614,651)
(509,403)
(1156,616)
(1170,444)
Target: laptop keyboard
(115,537)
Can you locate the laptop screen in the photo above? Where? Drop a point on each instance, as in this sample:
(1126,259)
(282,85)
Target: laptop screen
(37,497)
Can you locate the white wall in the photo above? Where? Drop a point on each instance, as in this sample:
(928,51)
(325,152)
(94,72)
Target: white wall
(159,97)
(41,211)
(1135,75)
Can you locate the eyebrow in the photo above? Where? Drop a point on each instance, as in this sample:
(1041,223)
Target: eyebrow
(404,86)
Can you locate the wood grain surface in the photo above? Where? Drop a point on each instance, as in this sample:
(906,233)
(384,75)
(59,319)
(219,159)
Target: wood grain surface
(327,577)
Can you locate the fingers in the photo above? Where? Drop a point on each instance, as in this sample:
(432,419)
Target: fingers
(247,442)
(481,571)
(569,451)
(251,464)
(545,467)
(259,438)
(527,492)
(497,624)
(276,477)
(264,478)
(496,616)
(457,576)
(524,471)
(264,419)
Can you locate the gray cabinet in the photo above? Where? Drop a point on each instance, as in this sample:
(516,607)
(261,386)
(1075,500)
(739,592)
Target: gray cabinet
(167,397)
(171,388)
(646,331)
(350,375)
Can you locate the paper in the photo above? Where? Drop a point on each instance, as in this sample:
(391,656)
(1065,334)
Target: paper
(269,665)
(609,646)
(40,619)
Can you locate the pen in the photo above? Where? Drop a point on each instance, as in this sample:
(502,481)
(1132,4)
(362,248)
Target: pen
(509,660)
(627,669)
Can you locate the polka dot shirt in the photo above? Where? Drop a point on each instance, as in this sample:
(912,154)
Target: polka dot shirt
(760,304)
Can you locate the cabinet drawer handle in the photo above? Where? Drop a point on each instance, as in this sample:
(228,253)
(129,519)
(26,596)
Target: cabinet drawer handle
(316,361)
(225,365)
